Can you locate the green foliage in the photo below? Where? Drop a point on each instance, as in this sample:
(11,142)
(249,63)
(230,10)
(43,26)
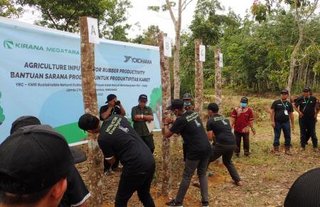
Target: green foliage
(64,15)
(149,36)
(2,116)
(155,98)
(259,11)
(8,8)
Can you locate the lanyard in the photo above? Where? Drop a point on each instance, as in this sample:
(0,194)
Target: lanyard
(304,108)
(284,105)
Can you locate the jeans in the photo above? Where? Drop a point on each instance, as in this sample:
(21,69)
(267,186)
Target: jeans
(246,145)
(130,183)
(308,129)
(226,151)
(190,167)
(285,126)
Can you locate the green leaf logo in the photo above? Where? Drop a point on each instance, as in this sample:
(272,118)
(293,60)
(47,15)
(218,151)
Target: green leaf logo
(8,44)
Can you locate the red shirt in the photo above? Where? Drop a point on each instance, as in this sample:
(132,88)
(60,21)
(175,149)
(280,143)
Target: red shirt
(242,118)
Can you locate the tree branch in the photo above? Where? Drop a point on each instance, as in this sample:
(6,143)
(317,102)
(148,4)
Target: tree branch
(171,13)
(185,4)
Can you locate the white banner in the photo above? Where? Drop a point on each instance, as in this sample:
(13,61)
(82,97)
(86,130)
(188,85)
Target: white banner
(167,49)
(220,60)
(93,30)
(202,53)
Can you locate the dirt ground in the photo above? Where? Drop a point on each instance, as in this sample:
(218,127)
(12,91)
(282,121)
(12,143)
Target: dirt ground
(266,176)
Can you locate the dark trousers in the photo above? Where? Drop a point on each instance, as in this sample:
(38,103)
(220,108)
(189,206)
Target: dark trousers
(141,183)
(285,126)
(226,151)
(148,140)
(246,144)
(189,169)
(108,167)
(308,129)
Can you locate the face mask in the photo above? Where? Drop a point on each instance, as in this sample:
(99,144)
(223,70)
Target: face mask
(243,105)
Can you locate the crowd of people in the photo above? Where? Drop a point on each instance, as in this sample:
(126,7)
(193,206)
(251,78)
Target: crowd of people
(37,165)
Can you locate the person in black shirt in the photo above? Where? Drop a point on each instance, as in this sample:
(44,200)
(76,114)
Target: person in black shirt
(219,128)
(281,115)
(113,106)
(77,193)
(189,125)
(306,106)
(118,139)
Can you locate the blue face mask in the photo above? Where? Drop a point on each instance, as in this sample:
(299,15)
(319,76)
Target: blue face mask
(243,105)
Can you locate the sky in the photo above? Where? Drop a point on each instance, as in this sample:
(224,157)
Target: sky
(140,17)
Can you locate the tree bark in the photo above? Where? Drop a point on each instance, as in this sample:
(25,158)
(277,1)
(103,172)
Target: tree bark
(218,79)
(293,58)
(198,79)
(176,49)
(166,98)
(89,92)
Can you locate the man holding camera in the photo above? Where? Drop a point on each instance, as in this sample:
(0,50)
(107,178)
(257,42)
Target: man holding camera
(113,106)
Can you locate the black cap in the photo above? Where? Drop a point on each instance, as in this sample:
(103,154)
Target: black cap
(33,159)
(77,154)
(305,191)
(143,97)
(307,89)
(187,96)
(176,104)
(88,122)
(213,107)
(24,121)
(284,91)
(110,97)
(244,100)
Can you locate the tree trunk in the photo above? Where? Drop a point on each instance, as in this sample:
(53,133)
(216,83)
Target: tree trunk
(218,79)
(89,92)
(198,80)
(166,97)
(293,58)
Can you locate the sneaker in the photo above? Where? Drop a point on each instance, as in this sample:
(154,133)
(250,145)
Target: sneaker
(238,183)
(173,202)
(108,172)
(205,204)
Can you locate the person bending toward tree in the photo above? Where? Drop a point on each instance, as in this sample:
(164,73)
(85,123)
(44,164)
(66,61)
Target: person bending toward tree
(219,129)
(189,125)
(113,106)
(118,139)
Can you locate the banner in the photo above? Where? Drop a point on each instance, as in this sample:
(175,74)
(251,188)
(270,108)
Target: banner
(40,75)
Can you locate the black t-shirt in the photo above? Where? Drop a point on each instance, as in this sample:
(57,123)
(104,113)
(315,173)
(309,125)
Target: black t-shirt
(117,138)
(307,106)
(282,109)
(221,128)
(194,136)
(77,192)
(114,110)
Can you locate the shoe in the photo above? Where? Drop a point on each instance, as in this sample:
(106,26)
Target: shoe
(205,204)
(238,183)
(315,149)
(237,154)
(287,151)
(173,202)
(302,149)
(196,184)
(247,154)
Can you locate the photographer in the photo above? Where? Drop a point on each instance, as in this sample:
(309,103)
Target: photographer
(113,106)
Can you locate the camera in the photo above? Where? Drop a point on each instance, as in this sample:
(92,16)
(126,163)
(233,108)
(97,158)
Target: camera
(118,103)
